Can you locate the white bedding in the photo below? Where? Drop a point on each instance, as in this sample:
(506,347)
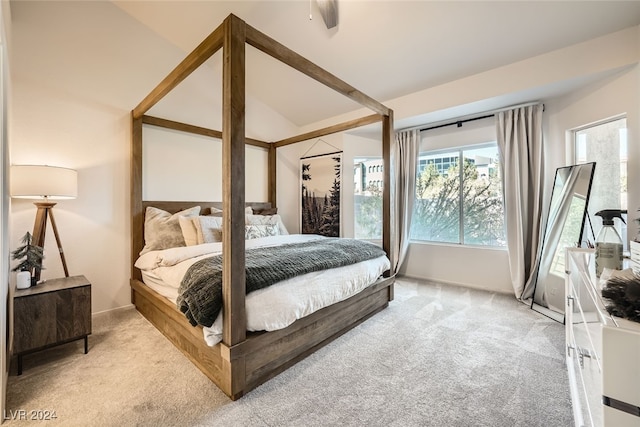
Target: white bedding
(271,308)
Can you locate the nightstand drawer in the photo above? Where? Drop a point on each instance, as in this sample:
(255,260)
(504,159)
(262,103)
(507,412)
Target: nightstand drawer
(52,313)
(51,318)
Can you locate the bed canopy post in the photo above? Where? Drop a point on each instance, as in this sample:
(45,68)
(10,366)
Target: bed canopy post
(137,217)
(271,178)
(387,212)
(233,183)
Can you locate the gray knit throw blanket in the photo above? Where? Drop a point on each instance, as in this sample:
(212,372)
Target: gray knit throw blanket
(200,293)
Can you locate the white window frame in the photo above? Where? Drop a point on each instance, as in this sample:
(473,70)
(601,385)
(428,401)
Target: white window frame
(470,136)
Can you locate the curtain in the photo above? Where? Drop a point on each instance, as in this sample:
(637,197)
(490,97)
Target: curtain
(405,157)
(519,134)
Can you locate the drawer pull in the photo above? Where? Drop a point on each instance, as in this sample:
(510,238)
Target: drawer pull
(582,353)
(621,406)
(569,300)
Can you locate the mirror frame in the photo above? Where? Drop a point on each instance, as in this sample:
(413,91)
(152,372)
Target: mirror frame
(535,302)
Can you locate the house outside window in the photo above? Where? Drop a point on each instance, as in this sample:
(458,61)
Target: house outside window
(367,198)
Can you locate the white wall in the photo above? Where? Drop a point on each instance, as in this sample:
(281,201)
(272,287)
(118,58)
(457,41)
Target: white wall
(614,94)
(66,113)
(6,308)
(617,95)
(172,172)
(595,63)
(78,69)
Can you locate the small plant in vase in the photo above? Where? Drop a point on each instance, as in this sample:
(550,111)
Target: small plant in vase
(30,257)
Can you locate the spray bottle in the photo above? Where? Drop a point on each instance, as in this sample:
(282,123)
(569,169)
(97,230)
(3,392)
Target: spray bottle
(608,242)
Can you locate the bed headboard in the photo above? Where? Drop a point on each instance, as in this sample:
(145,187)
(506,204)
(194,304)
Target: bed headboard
(172,207)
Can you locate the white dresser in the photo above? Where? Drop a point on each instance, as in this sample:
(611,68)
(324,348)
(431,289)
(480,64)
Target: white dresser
(603,352)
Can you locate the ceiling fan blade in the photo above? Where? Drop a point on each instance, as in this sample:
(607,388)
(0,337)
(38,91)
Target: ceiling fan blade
(329,12)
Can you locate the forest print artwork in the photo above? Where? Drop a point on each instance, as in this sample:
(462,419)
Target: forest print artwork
(320,179)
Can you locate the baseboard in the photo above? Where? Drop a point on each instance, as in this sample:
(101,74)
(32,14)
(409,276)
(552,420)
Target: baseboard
(452,283)
(113,310)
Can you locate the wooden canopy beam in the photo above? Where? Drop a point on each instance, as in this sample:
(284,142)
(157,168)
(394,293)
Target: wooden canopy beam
(170,124)
(283,54)
(200,54)
(351,124)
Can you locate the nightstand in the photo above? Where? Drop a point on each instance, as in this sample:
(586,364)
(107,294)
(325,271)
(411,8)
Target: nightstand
(51,313)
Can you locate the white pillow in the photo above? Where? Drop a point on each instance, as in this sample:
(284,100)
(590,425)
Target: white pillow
(265,220)
(162,229)
(257,231)
(209,228)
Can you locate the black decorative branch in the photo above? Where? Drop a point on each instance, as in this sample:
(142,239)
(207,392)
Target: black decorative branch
(623,297)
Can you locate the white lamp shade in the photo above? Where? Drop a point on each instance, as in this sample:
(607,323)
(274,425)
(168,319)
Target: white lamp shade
(43,182)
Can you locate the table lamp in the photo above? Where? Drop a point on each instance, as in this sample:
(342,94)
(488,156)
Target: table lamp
(44,183)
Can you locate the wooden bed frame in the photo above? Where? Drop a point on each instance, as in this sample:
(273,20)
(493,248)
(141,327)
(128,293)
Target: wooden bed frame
(244,360)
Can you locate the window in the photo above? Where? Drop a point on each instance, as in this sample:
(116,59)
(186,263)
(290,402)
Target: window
(367,199)
(606,144)
(459,204)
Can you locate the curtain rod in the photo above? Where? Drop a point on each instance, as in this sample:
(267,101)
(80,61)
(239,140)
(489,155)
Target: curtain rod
(459,121)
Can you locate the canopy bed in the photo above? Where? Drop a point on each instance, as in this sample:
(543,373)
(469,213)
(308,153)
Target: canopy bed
(244,359)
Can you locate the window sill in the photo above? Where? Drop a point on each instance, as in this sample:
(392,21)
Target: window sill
(457,245)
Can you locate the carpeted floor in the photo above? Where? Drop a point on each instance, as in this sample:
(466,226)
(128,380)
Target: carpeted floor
(438,356)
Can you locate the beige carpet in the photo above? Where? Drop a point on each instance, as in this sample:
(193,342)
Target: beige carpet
(438,356)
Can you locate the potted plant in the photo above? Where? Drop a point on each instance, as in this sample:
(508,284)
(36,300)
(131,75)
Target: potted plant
(30,257)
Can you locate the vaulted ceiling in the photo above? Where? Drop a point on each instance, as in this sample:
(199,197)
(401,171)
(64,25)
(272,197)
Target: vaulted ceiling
(386,49)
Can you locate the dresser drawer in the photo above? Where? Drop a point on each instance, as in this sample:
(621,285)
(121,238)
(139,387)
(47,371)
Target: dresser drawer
(616,418)
(621,364)
(587,370)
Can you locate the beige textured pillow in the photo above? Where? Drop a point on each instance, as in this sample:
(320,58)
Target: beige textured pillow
(162,229)
(218,212)
(215,211)
(208,229)
(189,232)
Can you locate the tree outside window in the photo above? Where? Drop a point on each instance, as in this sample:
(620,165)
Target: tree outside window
(459,202)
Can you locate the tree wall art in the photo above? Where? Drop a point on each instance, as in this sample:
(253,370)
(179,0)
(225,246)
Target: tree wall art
(320,194)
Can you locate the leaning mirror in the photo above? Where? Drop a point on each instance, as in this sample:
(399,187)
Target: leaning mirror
(564,228)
